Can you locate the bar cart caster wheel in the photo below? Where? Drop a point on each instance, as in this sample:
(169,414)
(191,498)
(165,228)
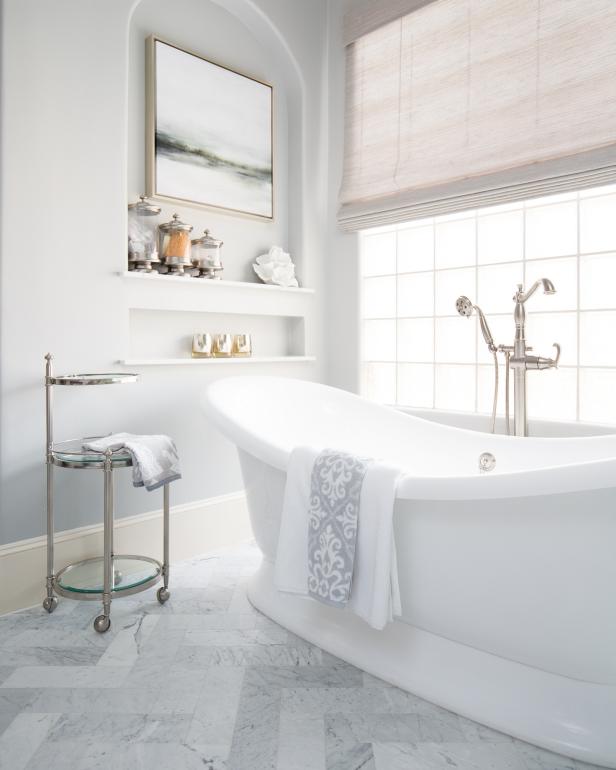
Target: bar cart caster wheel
(163,594)
(50,603)
(102,623)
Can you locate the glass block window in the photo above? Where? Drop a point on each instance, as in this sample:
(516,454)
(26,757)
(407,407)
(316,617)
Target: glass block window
(418,352)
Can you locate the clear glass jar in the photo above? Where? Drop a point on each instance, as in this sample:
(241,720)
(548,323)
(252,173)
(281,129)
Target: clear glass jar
(142,235)
(174,245)
(206,255)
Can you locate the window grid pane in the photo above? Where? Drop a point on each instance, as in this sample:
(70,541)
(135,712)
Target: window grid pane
(418,352)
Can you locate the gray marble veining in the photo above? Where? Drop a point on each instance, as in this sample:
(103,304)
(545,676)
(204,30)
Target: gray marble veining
(301,741)
(342,675)
(120,728)
(80,700)
(17,699)
(206,682)
(236,637)
(22,737)
(136,756)
(216,707)
(191,656)
(6,671)
(255,737)
(342,755)
(66,676)
(50,656)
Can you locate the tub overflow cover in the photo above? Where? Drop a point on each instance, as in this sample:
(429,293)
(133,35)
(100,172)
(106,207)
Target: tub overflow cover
(487,461)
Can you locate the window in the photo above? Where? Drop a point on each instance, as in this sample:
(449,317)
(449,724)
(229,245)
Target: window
(459,104)
(418,352)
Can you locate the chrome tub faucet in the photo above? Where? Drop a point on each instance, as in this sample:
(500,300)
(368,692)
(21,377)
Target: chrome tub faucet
(516,355)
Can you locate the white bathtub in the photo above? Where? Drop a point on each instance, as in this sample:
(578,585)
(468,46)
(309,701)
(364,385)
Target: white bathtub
(508,579)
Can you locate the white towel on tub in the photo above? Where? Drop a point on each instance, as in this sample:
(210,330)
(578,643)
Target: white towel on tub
(375,593)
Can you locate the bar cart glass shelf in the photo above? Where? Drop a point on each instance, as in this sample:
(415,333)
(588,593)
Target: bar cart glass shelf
(109,575)
(104,378)
(129,573)
(70,454)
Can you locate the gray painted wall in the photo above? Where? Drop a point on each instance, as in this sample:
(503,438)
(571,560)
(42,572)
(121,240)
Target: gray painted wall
(71,128)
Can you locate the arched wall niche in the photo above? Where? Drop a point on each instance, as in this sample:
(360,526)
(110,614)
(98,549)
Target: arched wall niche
(241,36)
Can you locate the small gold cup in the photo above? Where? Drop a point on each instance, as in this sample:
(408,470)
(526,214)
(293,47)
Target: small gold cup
(223,345)
(202,345)
(242,345)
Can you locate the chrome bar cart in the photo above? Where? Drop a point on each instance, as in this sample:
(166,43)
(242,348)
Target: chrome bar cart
(112,575)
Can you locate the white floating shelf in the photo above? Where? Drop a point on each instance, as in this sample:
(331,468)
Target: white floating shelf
(209,284)
(216,361)
(200,295)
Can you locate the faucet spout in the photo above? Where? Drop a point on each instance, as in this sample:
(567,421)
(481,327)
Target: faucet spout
(548,288)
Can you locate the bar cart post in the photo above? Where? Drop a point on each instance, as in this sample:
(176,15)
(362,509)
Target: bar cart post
(102,622)
(163,592)
(50,602)
(122,575)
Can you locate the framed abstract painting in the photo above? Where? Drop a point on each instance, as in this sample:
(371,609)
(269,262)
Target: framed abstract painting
(209,133)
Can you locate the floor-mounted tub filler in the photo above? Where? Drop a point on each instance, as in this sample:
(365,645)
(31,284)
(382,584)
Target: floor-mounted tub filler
(507,573)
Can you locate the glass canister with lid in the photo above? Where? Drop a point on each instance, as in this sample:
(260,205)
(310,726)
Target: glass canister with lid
(206,256)
(142,235)
(174,245)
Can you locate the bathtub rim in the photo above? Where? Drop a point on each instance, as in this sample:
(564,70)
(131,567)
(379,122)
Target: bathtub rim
(579,476)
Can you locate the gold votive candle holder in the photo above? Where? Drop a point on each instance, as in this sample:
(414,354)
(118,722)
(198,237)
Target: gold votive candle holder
(242,345)
(223,345)
(202,345)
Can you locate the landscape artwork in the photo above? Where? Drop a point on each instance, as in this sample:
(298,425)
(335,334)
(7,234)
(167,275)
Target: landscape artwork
(210,133)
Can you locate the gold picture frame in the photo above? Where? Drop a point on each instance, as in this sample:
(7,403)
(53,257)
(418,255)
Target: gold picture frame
(198,149)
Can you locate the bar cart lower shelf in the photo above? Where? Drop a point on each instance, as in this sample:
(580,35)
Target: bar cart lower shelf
(111,575)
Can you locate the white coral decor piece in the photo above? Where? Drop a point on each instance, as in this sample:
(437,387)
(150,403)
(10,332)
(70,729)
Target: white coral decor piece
(276,267)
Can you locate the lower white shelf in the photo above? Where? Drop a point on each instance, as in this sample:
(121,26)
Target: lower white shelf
(216,361)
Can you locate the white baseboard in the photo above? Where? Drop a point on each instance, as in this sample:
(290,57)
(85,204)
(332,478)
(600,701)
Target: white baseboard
(196,527)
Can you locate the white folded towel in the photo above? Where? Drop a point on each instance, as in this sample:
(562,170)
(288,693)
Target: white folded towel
(375,593)
(155,458)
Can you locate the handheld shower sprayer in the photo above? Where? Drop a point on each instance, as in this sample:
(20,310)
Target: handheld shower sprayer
(465,307)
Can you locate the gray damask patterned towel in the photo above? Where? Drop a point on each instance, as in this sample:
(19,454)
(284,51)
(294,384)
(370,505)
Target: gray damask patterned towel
(335,489)
(155,458)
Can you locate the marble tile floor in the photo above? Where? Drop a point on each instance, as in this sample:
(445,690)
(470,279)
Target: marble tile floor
(206,682)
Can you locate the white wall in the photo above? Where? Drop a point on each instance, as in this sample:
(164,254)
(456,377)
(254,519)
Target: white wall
(65,155)
(342,288)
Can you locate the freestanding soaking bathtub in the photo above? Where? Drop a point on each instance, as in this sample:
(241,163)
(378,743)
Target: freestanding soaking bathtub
(507,577)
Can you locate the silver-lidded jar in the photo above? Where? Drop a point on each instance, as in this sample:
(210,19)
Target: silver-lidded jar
(174,245)
(206,256)
(142,235)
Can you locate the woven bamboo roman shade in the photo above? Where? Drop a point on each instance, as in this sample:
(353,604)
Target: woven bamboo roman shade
(463,103)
